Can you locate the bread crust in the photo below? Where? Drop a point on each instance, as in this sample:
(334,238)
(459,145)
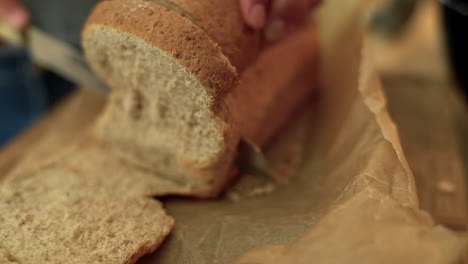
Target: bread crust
(222,21)
(270,92)
(165,29)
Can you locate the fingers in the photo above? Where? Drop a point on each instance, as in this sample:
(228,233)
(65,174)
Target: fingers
(277,17)
(13,13)
(287,15)
(255,12)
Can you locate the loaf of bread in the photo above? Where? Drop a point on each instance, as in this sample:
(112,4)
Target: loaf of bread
(177,107)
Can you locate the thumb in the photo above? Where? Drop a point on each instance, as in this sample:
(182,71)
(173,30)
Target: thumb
(13,13)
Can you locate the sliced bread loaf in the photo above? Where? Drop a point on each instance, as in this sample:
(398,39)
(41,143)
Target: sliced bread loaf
(169,77)
(177,108)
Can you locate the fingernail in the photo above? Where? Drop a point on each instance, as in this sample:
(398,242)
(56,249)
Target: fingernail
(275,30)
(18,18)
(257,16)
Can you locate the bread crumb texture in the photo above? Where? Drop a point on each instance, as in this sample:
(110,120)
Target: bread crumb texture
(81,208)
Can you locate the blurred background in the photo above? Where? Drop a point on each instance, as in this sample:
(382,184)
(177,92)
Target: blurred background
(27,91)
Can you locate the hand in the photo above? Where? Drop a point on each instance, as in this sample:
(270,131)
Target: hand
(277,17)
(13,13)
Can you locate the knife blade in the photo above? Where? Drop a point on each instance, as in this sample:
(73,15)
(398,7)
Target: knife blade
(253,161)
(57,56)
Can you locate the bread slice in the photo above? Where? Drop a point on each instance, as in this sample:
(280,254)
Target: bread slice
(174,67)
(81,208)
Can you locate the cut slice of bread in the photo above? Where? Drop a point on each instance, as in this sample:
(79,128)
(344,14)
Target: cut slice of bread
(42,225)
(177,108)
(81,208)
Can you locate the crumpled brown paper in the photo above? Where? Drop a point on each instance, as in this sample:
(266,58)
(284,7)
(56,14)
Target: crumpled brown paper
(376,219)
(353,196)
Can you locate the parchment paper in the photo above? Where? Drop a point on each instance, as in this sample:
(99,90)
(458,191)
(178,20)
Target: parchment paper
(351,197)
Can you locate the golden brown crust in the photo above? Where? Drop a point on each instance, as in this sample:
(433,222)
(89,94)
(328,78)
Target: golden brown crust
(173,33)
(149,248)
(222,21)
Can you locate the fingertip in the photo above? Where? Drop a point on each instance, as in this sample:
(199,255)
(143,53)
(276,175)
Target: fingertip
(18,18)
(257,17)
(255,12)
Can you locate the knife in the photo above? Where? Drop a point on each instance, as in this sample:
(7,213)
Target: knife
(55,55)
